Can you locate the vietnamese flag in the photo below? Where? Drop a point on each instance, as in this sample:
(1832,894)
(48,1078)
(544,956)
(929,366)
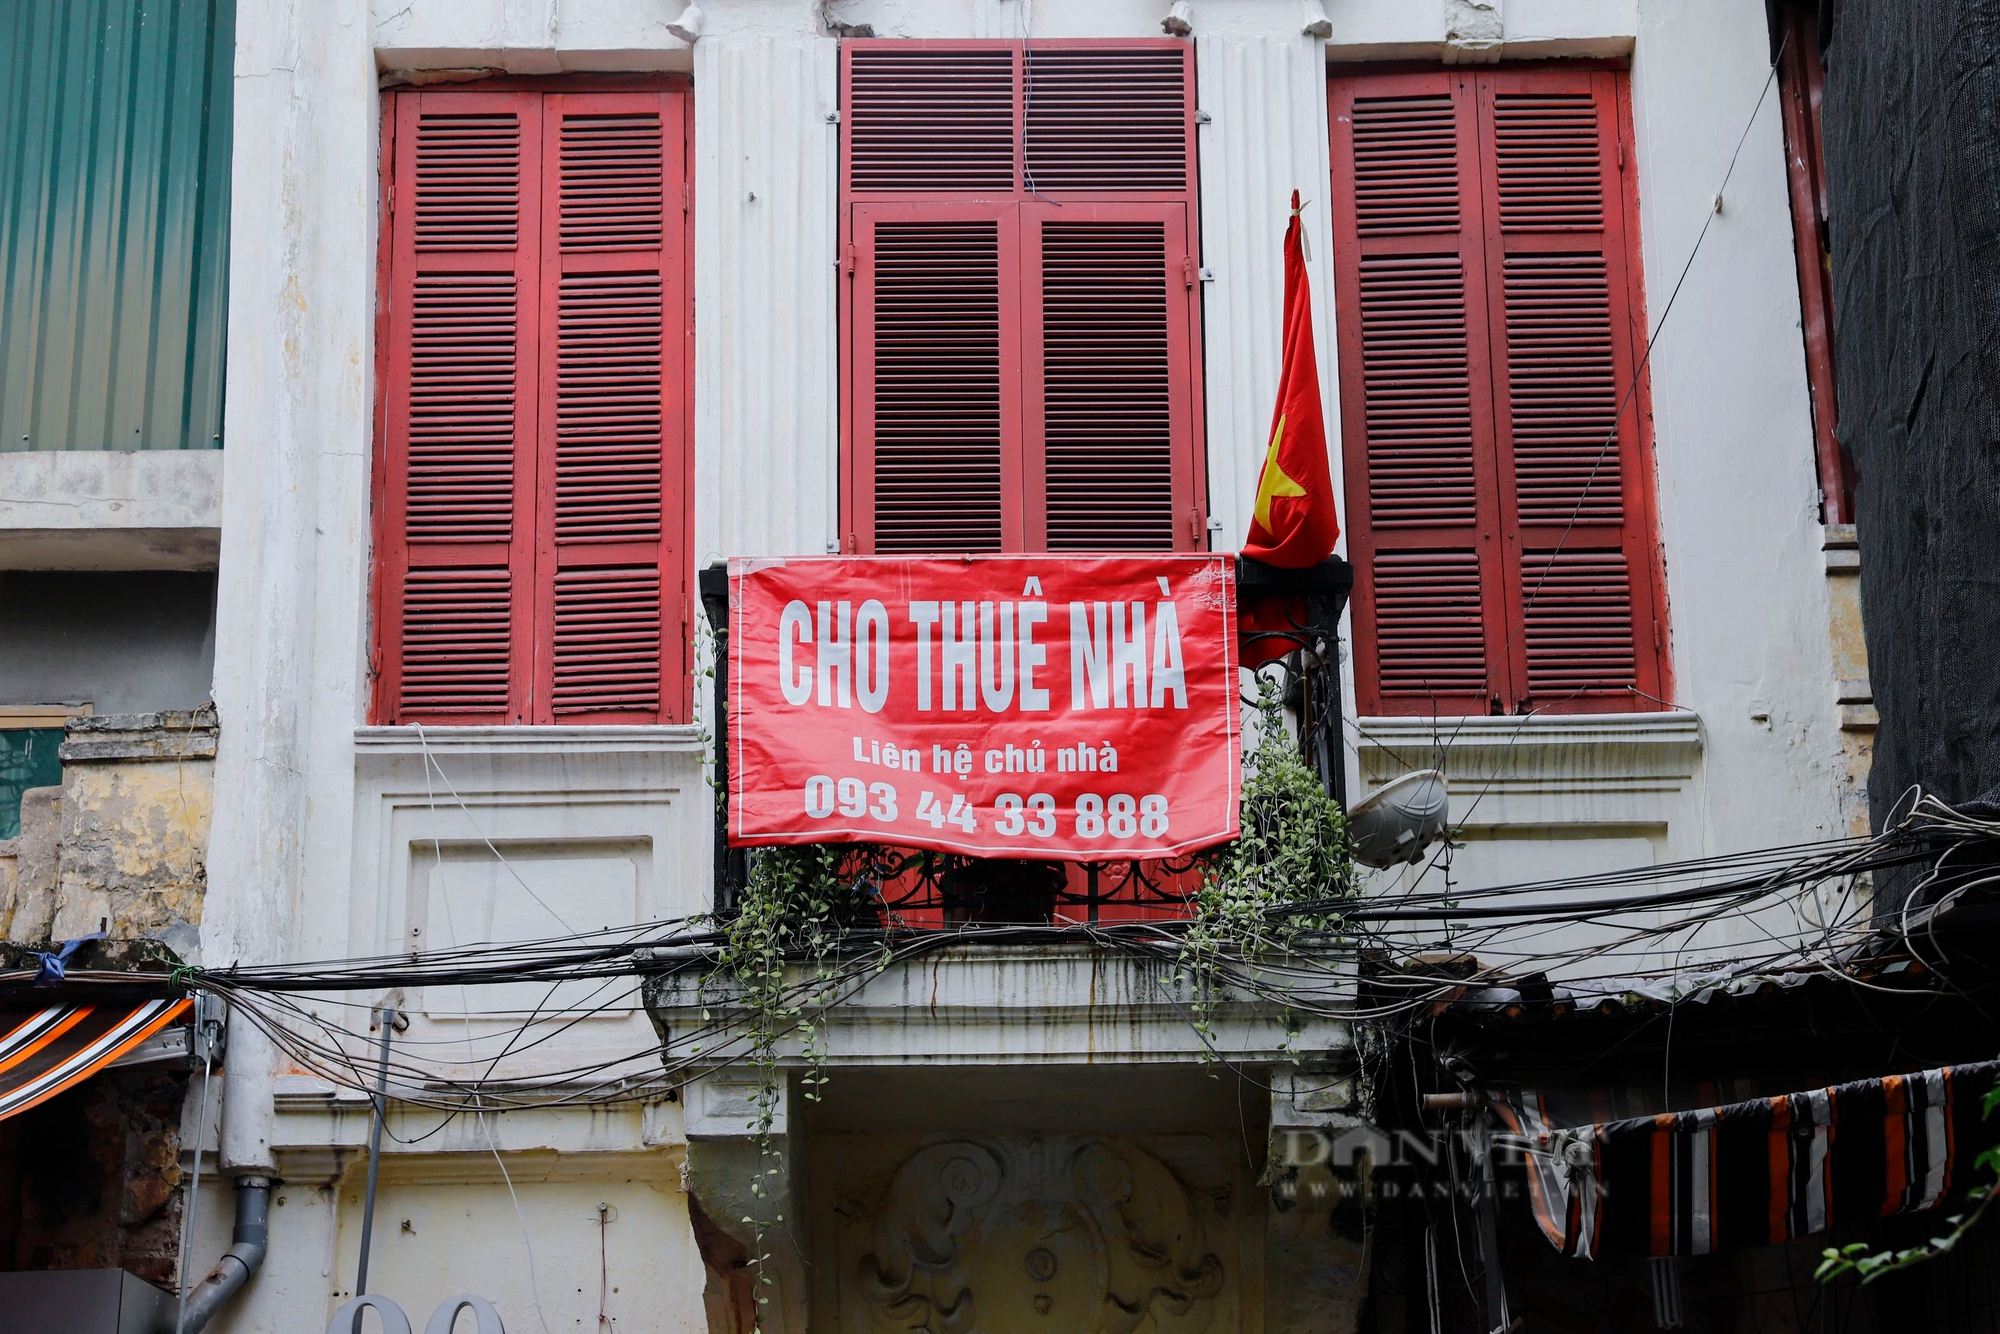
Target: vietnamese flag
(1295,524)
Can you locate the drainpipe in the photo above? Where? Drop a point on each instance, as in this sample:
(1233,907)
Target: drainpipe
(247,1245)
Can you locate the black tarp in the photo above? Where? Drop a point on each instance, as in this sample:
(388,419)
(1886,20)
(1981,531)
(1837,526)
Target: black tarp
(1911,121)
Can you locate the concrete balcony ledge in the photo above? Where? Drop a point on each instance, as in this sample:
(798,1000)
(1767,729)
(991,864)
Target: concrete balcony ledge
(169,735)
(997,1004)
(1577,753)
(110,509)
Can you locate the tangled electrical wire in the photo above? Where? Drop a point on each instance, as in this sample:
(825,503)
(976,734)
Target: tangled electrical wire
(1797,907)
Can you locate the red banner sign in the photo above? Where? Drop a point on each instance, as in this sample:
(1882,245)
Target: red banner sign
(1049,707)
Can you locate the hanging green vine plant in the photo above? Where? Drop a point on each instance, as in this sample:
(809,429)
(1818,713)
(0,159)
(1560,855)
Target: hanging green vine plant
(777,962)
(1293,849)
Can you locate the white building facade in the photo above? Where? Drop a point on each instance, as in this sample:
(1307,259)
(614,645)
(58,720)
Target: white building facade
(1009,1086)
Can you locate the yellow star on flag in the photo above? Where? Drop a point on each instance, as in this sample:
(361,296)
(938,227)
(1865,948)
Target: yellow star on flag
(1273,483)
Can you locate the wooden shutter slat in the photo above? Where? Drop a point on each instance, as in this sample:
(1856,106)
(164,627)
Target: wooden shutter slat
(1580,595)
(932,331)
(457,642)
(612,182)
(1106,119)
(1547,161)
(933,120)
(1430,630)
(1107,387)
(468,179)
(1417,391)
(608,626)
(462,407)
(1405,164)
(1562,389)
(607,556)
(455,516)
(1416,400)
(1578,623)
(608,406)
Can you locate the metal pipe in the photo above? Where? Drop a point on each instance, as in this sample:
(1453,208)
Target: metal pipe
(375,1151)
(247,1246)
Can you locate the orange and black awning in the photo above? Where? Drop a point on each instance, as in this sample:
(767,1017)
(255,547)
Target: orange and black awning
(49,1050)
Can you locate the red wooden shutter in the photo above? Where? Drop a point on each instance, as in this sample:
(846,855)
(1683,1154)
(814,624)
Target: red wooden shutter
(1102,120)
(923,118)
(1566,336)
(1021,304)
(1499,519)
(1109,316)
(532,516)
(610,583)
(936,304)
(455,521)
(1801,82)
(1416,405)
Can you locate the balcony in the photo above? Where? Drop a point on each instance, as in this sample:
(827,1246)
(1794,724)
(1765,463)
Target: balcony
(1285,617)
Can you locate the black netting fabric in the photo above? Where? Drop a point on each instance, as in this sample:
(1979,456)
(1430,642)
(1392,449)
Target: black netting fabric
(1912,131)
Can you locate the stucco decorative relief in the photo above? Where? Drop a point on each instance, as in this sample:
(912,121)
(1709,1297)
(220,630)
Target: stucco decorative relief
(1070,1234)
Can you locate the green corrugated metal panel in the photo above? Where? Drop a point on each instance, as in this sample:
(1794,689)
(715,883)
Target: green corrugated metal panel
(114,222)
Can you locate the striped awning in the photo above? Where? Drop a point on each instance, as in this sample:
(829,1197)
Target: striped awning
(49,1050)
(1752,1173)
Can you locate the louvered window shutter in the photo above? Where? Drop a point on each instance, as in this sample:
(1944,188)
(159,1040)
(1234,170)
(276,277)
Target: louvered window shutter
(1109,374)
(1500,521)
(531,504)
(456,501)
(937,381)
(613,276)
(1021,306)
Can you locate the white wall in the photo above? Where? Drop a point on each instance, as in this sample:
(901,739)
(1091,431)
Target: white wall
(766,239)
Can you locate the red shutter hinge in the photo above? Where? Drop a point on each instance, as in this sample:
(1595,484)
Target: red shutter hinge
(850,259)
(1659,643)
(684,197)
(1194,524)
(1621,155)
(1187,270)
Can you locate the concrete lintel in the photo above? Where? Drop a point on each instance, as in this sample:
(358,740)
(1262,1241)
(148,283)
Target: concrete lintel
(1031,1005)
(110,509)
(423,65)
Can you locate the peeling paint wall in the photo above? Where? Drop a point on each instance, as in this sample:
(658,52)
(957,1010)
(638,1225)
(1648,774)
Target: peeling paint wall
(121,846)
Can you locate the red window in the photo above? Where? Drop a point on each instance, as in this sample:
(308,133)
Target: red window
(531,508)
(1020,303)
(1490,324)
